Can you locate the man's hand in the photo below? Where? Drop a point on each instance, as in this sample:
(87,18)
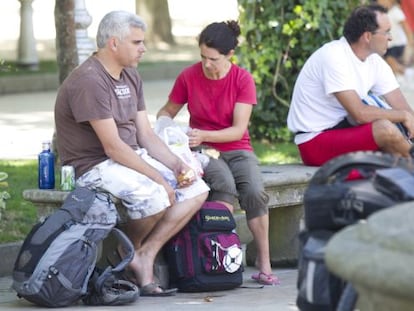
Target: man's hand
(170,191)
(409,124)
(186,178)
(185,175)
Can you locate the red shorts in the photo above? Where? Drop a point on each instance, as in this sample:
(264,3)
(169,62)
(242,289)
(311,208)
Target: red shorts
(332,143)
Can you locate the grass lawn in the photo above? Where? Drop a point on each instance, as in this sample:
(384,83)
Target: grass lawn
(276,153)
(11,68)
(19,215)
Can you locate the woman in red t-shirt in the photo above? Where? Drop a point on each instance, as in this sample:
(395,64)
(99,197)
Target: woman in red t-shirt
(220,97)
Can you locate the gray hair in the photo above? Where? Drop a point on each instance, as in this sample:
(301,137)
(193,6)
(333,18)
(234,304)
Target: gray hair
(117,24)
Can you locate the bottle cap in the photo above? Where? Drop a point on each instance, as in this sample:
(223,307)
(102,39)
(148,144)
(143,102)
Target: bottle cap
(46,144)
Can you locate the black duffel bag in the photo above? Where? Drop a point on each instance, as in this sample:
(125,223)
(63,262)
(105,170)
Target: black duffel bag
(353,186)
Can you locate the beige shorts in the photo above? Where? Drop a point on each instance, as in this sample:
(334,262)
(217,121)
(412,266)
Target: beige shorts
(140,195)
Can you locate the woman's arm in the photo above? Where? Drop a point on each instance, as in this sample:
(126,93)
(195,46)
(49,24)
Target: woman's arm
(170,109)
(241,118)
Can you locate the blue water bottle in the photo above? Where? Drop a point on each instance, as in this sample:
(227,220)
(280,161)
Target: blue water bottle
(46,165)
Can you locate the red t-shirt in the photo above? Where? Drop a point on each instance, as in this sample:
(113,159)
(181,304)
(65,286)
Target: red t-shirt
(211,103)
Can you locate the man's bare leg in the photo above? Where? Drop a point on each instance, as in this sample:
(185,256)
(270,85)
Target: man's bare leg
(389,138)
(174,219)
(138,229)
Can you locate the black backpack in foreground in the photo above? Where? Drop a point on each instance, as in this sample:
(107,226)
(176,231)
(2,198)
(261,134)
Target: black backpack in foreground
(343,191)
(353,186)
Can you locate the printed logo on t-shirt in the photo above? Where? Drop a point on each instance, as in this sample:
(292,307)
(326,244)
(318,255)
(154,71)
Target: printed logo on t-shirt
(122,91)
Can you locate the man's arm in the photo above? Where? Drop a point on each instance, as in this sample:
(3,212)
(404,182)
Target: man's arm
(397,100)
(158,149)
(116,149)
(361,113)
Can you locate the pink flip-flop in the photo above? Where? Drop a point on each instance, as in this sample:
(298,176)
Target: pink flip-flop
(265,279)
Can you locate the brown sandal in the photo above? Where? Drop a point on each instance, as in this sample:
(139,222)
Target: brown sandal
(150,290)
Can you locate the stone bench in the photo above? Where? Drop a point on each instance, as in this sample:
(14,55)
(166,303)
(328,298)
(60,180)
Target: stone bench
(285,185)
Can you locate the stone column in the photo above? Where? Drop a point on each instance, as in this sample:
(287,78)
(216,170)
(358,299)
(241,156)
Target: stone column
(377,258)
(27,54)
(83,20)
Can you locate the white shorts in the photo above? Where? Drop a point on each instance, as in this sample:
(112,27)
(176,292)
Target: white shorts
(140,195)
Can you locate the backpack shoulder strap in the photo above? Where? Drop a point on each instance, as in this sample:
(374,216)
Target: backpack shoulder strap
(109,271)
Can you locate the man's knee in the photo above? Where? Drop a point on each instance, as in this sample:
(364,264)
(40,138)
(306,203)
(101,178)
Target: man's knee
(201,198)
(385,132)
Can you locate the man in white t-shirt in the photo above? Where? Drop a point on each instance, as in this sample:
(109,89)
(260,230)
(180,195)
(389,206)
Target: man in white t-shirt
(327,113)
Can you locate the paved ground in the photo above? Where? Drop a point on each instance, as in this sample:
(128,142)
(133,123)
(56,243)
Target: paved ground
(269,298)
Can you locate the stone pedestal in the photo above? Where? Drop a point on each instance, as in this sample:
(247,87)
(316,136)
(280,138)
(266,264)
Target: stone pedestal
(377,257)
(83,20)
(27,54)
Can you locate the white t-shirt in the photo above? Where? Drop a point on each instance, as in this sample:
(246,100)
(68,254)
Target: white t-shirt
(333,68)
(399,37)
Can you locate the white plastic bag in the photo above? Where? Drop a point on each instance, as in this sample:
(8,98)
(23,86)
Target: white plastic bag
(177,140)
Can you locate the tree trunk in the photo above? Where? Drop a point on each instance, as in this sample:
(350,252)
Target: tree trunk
(157,16)
(66,50)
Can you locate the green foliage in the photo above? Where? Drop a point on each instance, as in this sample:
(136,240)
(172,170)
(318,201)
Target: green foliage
(19,215)
(4,66)
(12,68)
(276,153)
(278,38)
(4,195)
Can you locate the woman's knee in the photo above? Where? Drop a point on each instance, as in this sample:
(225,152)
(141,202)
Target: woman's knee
(256,211)
(219,177)
(254,201)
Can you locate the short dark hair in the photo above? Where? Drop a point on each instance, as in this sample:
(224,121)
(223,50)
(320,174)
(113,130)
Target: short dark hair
(220,36)
(362,19)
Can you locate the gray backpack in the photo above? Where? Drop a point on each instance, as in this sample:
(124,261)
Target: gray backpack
(56,265)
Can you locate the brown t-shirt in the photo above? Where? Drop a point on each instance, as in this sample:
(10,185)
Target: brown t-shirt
(90,93)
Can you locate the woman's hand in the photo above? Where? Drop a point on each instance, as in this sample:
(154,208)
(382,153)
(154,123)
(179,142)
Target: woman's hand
(195,137)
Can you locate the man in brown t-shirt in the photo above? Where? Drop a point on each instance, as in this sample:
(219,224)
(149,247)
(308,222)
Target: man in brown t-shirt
(103,131)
